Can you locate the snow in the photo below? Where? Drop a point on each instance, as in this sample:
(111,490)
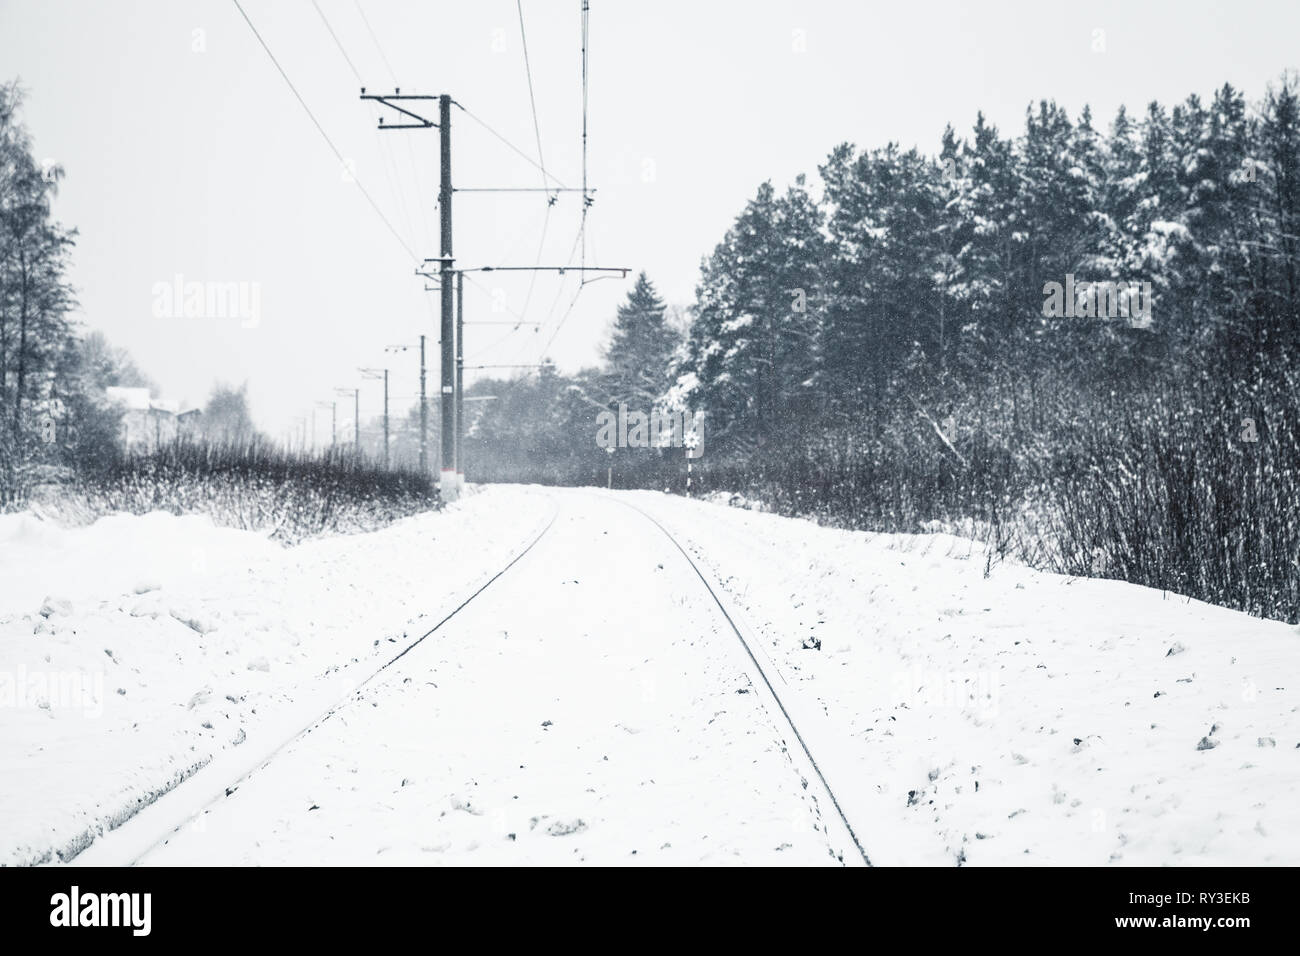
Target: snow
(134,651)
(592,712)
(592,705)
(1076,706)
(116,555)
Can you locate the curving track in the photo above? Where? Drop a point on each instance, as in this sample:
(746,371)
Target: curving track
(599,703)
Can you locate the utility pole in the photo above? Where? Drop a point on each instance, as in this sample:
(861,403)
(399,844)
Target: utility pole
(424,418)
(457,451)
(460,378)
(448,486)
(378,373)
(451,375)
(444,197)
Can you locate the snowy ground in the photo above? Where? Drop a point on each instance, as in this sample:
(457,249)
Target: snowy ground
(134,651)
(592,705)
(1022,718)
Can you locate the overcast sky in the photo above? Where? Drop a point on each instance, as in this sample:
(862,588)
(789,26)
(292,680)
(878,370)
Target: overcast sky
(186,153)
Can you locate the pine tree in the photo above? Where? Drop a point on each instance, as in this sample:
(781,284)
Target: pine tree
(1279,150)
(641,348)
(752,348)
(994,235)
(1218,198)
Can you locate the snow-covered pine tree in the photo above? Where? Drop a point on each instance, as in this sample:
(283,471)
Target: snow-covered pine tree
(751,352)
(640,348)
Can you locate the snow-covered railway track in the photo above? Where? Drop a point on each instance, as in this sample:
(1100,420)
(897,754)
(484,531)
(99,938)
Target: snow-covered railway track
(772,700)
(581,584)
(154,823)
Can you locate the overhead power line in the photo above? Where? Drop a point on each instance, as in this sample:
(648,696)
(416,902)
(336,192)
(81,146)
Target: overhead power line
(586,199)
(374,39)
(410,151)
(320,129)
(532,162)
(337,42)
(532,97)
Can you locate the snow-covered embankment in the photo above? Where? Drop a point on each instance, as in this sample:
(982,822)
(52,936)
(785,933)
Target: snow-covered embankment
(135,650)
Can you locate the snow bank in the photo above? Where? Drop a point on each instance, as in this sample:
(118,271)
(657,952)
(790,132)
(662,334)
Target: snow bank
(116,555)
(1013,718)
(136,649)
(1023,717)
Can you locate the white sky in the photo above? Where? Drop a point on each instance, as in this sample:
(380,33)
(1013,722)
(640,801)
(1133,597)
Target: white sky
(203,164)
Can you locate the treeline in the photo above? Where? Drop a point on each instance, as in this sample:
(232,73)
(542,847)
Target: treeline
(913,277)
(54,418)
(46,415)
(544,427)
(60,434)
(887,349)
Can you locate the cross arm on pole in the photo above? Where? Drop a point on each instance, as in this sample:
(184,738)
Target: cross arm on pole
(516,189)
(560,269)
(387,100)
(504,366)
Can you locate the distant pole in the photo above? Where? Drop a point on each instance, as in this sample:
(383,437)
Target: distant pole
(380,373)
(447,478)
(460,379)
(424,417)
(313,428)
(334,424)
(356,422)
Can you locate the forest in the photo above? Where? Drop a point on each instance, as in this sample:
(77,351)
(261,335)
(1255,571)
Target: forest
(910,342)
(878,349)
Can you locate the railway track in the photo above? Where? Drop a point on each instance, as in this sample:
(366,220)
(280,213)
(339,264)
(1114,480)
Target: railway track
(186,805)
(125,847)
(852,848)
